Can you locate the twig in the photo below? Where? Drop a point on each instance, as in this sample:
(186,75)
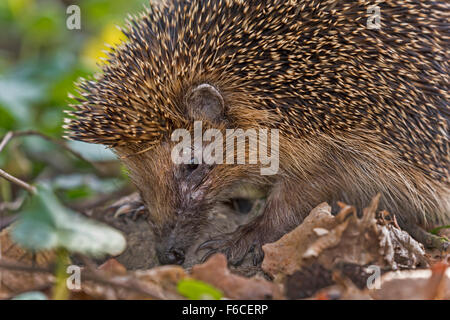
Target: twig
(17,181)
(12,206)
(133,285)
(58,142)
(100,200)
(5,140)
(10,135)
(63,145)
(22,267)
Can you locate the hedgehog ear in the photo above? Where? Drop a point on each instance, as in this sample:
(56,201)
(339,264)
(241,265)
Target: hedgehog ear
(205,102)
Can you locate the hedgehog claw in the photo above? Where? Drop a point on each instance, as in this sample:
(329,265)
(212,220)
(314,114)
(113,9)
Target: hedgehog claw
(207,255)
(130,206)
(236,246)
(205,245)
(258,256)
(130,210)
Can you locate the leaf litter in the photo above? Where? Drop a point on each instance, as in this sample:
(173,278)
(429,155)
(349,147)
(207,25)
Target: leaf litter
(325,257)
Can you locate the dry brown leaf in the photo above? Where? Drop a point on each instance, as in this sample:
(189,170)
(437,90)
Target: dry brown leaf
(285,256)
(13,282)
(347,239)
(165,277)
(215,272)
(113,267)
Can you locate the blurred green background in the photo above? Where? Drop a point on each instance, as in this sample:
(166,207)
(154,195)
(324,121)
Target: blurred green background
(40,59)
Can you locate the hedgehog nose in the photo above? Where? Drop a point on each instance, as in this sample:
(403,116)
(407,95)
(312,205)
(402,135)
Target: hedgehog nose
(173,256)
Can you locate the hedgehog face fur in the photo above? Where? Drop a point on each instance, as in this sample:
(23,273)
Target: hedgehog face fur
(361,111)
(180,198)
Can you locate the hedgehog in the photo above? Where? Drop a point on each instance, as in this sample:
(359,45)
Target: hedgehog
(361,111)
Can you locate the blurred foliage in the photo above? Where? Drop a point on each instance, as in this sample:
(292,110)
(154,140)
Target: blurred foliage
(45,224)
(40,59)
(32,295)
(198,290)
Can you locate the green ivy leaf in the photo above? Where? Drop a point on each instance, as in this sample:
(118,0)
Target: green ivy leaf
(46,224)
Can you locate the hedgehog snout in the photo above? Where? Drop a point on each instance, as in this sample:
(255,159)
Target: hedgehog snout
(170,255)
(178,236)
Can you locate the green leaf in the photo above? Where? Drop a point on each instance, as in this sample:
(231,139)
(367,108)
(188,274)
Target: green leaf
(198,290)
(93,152)
(16,97)
(32,295)
(46,224)
(77,182)
(7,120)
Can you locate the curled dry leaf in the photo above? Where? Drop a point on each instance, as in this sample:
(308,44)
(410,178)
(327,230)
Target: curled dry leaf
(347,239)
(285,256)
(215,272)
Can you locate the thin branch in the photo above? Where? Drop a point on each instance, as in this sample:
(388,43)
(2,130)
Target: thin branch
(62,144)
(6,175)
(99,201)
(17,181)
(5,140)
(22,267)
(132,285)
(12,134)
(12,206)
(58,142)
